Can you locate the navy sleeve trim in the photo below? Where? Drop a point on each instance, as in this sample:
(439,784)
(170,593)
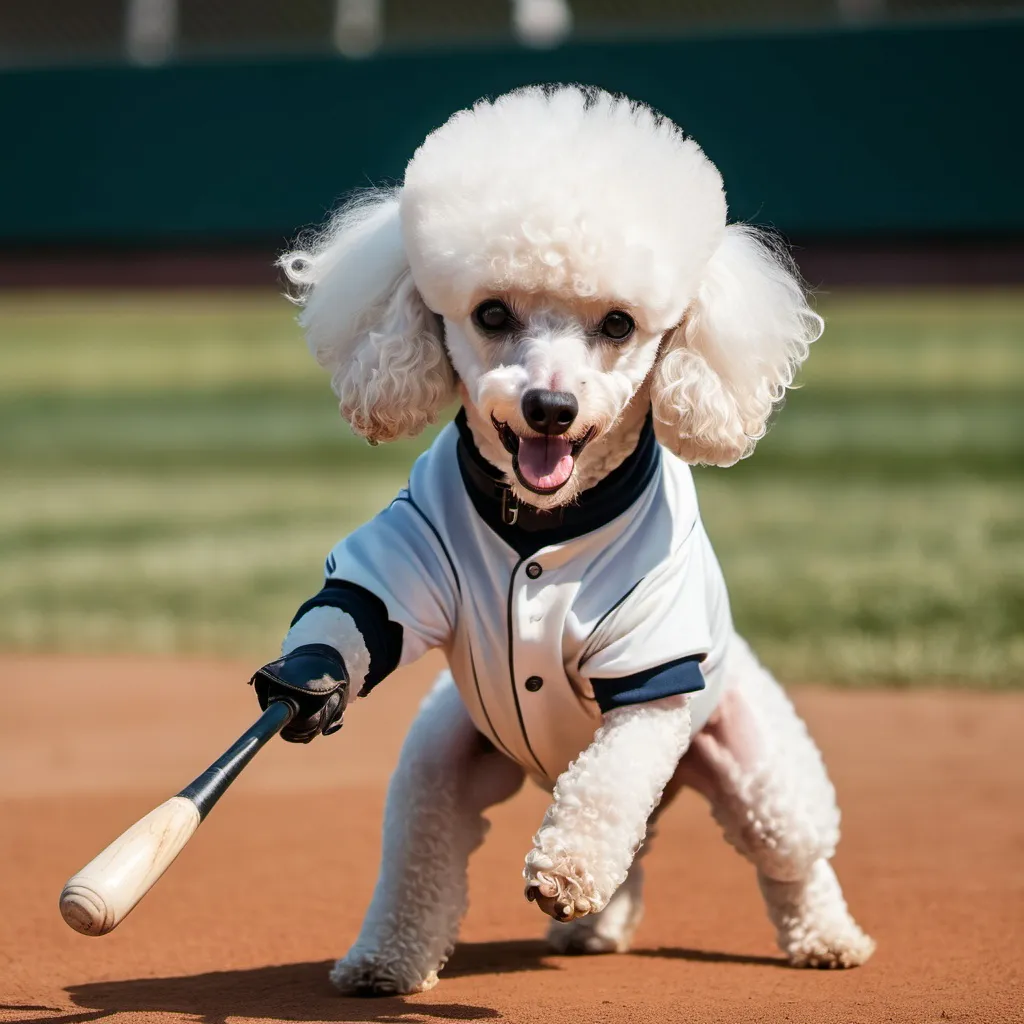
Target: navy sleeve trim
(668,680)
(382,636)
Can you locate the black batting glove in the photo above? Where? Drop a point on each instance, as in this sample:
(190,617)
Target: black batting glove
(312,676)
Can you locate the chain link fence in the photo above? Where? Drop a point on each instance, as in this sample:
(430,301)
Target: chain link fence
(68,32)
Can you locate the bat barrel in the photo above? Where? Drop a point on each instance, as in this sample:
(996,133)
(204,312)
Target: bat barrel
(104,892)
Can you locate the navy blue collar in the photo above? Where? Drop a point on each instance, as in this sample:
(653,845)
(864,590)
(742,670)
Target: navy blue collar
(527,529)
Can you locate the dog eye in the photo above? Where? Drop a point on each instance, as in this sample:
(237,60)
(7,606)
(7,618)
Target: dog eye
(617,325)
(492,315)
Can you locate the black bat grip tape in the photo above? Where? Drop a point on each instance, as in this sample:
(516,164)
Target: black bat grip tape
(206,789)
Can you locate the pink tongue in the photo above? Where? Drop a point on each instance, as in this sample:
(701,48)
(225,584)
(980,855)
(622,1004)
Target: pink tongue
(545,462)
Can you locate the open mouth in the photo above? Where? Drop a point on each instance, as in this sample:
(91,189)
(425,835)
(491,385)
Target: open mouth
(542,463)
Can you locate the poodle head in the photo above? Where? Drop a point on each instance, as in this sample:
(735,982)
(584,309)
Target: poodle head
(556,255)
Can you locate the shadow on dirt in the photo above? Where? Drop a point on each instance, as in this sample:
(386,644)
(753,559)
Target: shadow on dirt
(707,956)
(296,992)
(301,992)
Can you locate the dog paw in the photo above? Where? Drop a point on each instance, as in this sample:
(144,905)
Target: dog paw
(560,886)
(849,948)
(610,931)
(577,938)
(813,925)
(369,976)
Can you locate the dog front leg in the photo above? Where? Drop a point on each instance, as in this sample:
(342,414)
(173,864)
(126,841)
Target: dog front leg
(601,803)
(433,820)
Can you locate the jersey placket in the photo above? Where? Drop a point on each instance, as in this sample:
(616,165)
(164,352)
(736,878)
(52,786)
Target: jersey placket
(549,710)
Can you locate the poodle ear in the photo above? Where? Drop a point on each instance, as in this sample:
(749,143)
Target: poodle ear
(367,325)
(730,360)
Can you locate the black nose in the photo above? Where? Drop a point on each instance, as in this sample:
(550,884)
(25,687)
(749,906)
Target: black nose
(549,412)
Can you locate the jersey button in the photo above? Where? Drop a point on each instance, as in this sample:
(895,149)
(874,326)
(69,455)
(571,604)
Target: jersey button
(533,570)
(534,683)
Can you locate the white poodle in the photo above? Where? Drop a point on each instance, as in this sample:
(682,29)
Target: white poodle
(558,260)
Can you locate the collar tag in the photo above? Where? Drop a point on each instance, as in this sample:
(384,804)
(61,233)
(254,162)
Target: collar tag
(509,506)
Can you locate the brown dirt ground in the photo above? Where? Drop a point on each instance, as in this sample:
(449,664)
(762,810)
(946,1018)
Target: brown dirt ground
(274,884)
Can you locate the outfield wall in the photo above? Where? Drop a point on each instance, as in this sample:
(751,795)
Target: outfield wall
(911,131)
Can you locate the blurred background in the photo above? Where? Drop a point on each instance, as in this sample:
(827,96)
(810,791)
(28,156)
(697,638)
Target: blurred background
(172,466)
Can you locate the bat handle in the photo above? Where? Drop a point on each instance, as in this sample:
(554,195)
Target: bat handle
(206,789)
(105,891)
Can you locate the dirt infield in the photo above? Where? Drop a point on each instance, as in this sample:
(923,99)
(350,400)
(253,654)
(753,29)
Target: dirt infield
(274,884)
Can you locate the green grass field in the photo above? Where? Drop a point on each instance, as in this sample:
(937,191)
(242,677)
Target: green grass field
(174,471)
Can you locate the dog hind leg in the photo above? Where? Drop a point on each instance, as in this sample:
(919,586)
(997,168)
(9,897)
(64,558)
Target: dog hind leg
(768,788)
(446,776)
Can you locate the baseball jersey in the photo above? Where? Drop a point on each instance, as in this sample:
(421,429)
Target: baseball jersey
(548,620)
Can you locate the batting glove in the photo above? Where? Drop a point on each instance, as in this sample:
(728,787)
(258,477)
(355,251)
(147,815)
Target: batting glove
(313,677)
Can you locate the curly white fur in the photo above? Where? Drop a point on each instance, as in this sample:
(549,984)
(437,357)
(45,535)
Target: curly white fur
(610,930)
(569,191)
(367,325)
(566,203)
(813,926)
(726,366)
(767,785)
(432,822)
(495,202)
(774,799)
(759,769)
(598,817)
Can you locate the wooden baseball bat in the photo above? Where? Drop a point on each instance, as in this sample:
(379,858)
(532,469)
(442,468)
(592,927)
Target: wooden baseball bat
(104,892)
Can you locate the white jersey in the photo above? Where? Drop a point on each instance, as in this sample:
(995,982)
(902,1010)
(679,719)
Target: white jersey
(620,601)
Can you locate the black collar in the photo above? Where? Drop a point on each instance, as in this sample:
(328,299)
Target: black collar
(526,528)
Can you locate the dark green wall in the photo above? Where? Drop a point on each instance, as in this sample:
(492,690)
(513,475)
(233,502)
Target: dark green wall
(907,130)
